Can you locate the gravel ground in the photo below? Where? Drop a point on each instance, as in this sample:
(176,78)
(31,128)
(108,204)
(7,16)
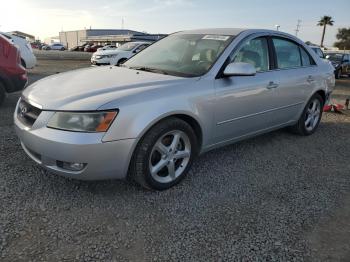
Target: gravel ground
(276,197)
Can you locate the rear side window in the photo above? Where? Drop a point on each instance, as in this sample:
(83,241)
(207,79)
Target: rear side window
(287,53)
(305,57)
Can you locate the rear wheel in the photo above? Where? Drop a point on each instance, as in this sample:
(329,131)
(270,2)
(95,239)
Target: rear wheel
(311,116)
(121,61)
(164,155)
(2,93)
(338,74)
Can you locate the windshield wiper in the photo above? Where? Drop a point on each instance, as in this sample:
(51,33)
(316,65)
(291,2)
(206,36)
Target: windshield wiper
(149,69)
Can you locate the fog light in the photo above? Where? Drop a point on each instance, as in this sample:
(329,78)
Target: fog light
(71,166)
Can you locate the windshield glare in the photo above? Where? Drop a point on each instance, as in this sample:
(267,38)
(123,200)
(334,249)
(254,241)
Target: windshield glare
(127,46)
(186,55)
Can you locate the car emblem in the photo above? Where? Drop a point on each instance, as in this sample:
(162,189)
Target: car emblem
(24,111)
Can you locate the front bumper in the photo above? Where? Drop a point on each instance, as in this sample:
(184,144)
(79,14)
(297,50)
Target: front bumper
(49,147)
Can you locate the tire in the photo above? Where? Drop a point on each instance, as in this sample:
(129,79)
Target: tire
(121,61)
(311,116)
(2,93)
(23,63)
(159,151)
(62,49)
(338,74)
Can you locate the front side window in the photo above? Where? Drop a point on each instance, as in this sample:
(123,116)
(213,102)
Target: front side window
(287,53)
(186,55)
(254,52)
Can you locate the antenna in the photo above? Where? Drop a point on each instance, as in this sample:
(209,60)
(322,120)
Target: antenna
(298,27)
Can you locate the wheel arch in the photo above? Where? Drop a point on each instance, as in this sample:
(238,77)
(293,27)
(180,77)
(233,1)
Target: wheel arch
(189,119)
(322,93)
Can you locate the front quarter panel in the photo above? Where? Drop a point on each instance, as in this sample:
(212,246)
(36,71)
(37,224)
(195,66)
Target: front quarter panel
(139,112)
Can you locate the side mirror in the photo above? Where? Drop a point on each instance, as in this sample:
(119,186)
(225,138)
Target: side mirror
(239,69)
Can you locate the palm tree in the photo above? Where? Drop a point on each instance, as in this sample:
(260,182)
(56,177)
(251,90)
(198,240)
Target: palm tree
(325,20)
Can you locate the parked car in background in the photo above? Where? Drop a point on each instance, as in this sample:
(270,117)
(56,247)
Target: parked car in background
(28,58)
(45,47)
(92,48)
(341,63)
(74,48)
(107,47)
(119,55)
(188,93)
(56,46)
(13,76)
(318,51)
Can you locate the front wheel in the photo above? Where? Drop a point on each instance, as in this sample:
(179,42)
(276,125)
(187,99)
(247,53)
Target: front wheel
(2,94)
(121,61)
(311,116)
(164,155)
(338,74)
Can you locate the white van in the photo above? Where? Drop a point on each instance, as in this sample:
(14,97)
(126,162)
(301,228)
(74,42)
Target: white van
(28,59)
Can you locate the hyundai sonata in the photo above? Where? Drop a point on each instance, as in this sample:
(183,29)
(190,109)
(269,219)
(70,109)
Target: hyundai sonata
(184,95)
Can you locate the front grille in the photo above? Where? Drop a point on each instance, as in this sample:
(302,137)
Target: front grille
(27,114)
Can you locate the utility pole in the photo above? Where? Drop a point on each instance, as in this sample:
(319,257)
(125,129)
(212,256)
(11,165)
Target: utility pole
(122,22)
(298,27)
(277,27)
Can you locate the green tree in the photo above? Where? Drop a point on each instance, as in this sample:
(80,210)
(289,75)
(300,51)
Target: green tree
(325,20)
(344,38)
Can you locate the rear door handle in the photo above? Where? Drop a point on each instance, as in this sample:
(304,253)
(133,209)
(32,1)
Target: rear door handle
(271,85)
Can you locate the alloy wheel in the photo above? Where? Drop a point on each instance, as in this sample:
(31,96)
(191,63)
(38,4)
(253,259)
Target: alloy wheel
(170,156)
(313,115)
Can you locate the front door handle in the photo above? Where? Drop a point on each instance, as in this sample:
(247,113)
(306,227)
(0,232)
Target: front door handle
(272,85)
(310,79)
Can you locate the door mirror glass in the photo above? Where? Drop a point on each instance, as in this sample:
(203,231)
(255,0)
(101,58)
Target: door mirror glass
(239,69)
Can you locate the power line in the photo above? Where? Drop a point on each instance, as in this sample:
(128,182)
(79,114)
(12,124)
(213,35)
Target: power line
(298,27)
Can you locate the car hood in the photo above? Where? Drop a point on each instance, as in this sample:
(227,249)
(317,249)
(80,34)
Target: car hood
(109,52)
(90,88)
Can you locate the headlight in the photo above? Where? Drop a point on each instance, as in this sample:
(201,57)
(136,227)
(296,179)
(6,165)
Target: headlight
(82,122)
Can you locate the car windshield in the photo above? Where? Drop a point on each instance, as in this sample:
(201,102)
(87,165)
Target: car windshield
(128,46)
(334,57)
(186,55)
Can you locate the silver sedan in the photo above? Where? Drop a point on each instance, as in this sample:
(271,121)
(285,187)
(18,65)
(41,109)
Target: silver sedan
(184,95)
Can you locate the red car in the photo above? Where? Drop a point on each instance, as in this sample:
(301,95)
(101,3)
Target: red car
(92,48)
(13,76)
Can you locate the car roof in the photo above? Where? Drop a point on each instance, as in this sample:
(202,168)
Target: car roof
(215,31)
(234,31)
(139,42)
